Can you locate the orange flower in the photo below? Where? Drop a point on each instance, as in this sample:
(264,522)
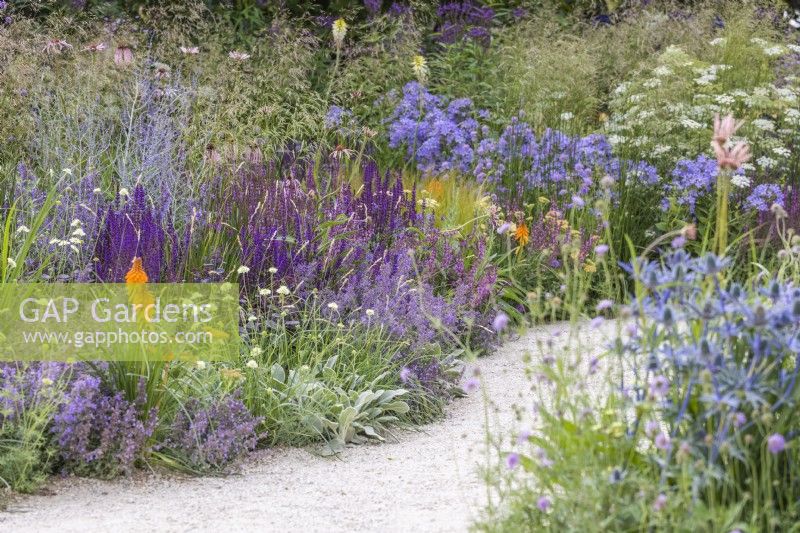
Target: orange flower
(136,274)
(436,189)
(137,290)
(522,235)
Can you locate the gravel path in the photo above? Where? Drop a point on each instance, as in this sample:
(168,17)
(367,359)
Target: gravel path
(427,480)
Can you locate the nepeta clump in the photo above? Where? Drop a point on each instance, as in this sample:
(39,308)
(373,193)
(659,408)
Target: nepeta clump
(99,432)
(210,437)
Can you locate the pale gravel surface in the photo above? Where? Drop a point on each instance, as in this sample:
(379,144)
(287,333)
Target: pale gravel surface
(425,481)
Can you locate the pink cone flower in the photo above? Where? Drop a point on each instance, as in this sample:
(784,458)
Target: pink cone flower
(731,159)
(123,55)
(728,158)
(725,128)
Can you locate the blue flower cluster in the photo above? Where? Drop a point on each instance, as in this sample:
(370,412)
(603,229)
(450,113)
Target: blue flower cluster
(763,197)
(720,360)
(442,136)
(692,179)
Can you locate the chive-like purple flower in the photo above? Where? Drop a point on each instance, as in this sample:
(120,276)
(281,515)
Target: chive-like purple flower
(662,441)
(500,322)
(602,305)
(544,503)
(512,460)
(659,386)
(471,385)
(660,502)
(776,443)
(601,249)
(405,374)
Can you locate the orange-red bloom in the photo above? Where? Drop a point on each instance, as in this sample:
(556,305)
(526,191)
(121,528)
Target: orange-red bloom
(522,235)
(136,274)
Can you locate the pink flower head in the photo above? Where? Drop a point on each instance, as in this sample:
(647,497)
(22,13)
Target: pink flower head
(734,158)
(238,56)
(776,443)
(659,386)
(123,55)
(56,46)
(660,502)
(96,47)
(662,441)
(724,128)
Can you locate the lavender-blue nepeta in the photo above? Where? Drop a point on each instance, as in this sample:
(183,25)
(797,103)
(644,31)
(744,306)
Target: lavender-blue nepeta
(98,432)
(211,437)
(24,386)
(336,117)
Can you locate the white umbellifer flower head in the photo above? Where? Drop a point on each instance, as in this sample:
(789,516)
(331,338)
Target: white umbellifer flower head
(238,56)
(190,50)
(766,162)
(690,124)
(339,29)
(79,233)
(782,151)
(567,116)
(23,229)
(97,190)
(124,192)
(252,364)
(740,180)
(283,290)
(243,269)
(12,263)
(333,306)
(719,41)
(67,171)
(662,71)
(370,312)
(75,240)
(774,51)
(74,248)
(201,365)
(264,292)
(252,318)
(764,124)
(76,222)
(273,270)
(652,83)
(256,351)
